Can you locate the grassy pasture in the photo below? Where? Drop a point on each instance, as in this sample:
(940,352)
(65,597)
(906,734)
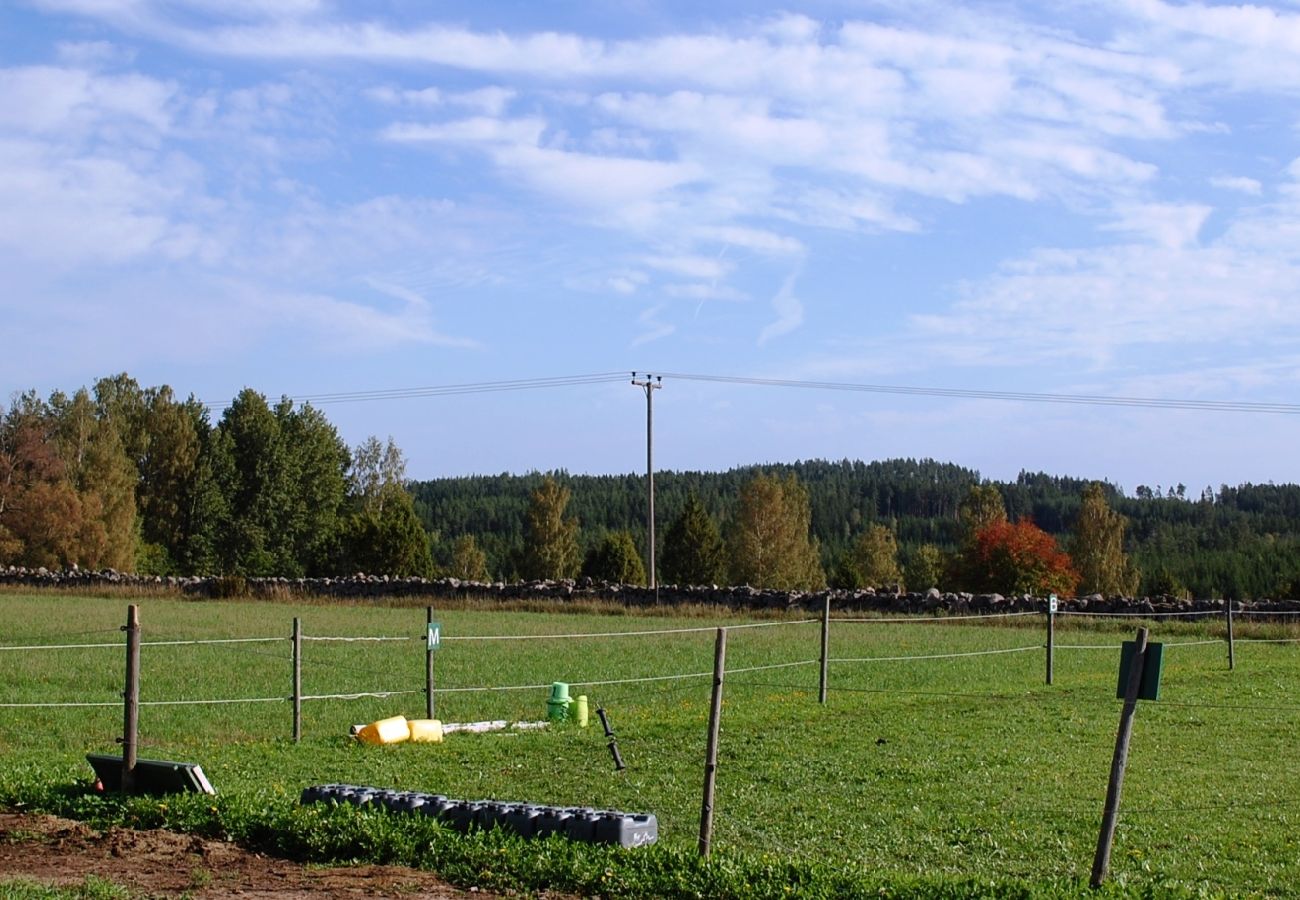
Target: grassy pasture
(961,767)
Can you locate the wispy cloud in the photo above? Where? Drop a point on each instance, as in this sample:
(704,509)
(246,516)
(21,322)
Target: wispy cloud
(684,164)
(1169,224)
(653,327)
(1238,183)
(788,308)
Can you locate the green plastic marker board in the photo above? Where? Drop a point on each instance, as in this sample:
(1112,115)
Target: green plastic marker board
(1150,689)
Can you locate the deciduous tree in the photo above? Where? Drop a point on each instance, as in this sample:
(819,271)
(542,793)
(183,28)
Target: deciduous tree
(1098,547)
(468,562)
(925,569)
(1020,558)
(770,543)
(551,537)
(169,478)
(394,543)
(872,561)
(317,461)
(378,470)
(39,508)
(384,535)
(982,506)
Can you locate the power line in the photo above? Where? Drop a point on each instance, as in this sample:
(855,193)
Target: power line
(1021,396)
(523,384)
(449,390)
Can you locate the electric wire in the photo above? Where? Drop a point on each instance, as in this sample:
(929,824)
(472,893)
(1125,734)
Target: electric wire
(1018,396)
(357,640)
(119,645)
(617,634)
(446,390)
(956,619)
(864,659)
(540,383)
(1217,641)
(1139,614)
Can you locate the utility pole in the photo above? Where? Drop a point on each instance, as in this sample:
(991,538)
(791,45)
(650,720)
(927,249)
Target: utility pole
(651,383)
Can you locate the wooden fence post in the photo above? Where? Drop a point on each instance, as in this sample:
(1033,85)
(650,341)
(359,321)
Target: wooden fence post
(428,667)
(1101,862)
(297,679)
(1051,640)
(711,754)
(826,646)
(131,698)
(1232,662)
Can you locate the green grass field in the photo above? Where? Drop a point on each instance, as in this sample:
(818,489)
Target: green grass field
(963,768)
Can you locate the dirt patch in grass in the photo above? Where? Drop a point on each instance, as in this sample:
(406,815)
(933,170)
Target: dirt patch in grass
(62,852)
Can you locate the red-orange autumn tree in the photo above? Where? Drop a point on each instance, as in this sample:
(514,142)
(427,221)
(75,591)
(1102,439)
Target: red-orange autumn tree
(1020,558)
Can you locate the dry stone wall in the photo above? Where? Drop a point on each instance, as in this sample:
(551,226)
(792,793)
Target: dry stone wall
(382,587)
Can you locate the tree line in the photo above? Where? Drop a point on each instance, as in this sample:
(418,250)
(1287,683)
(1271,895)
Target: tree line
(768,542)
(1233,542)
(133,478)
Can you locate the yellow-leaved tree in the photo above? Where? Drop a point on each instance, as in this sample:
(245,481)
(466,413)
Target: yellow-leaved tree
(1098,548)
(769,541)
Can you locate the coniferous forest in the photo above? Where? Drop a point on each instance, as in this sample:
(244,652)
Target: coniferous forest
(133,478)
(1236,542)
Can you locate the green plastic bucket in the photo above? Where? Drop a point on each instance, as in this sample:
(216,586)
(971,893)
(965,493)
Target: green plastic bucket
(557,708)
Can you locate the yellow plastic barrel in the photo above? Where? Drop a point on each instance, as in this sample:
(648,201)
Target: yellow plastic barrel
(393,730)
(580,711)
(426,731)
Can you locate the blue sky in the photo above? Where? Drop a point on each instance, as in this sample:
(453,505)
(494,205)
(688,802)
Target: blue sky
(310,197)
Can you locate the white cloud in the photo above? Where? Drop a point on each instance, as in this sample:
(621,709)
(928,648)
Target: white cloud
(1241,46)
(1169,224)
(490,101)
(789,311)
(624,284)
(70,102)
(758,240)
(710,291)
(726,123)
(362,326)
(653,328)
(415,319)
(478,130)
(92,208)
(952,109)
(92,54)
(256,9)
(621,188)
(685,143)
(1099,306)
(830,208)
(703,267)
(1238,183)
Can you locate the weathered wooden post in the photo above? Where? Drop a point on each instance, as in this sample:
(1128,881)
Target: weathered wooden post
(711,754)
(826,646)
(1232,662)
(297,679)
(1051,635)
(1101,862)
(131,698)
(433,634)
